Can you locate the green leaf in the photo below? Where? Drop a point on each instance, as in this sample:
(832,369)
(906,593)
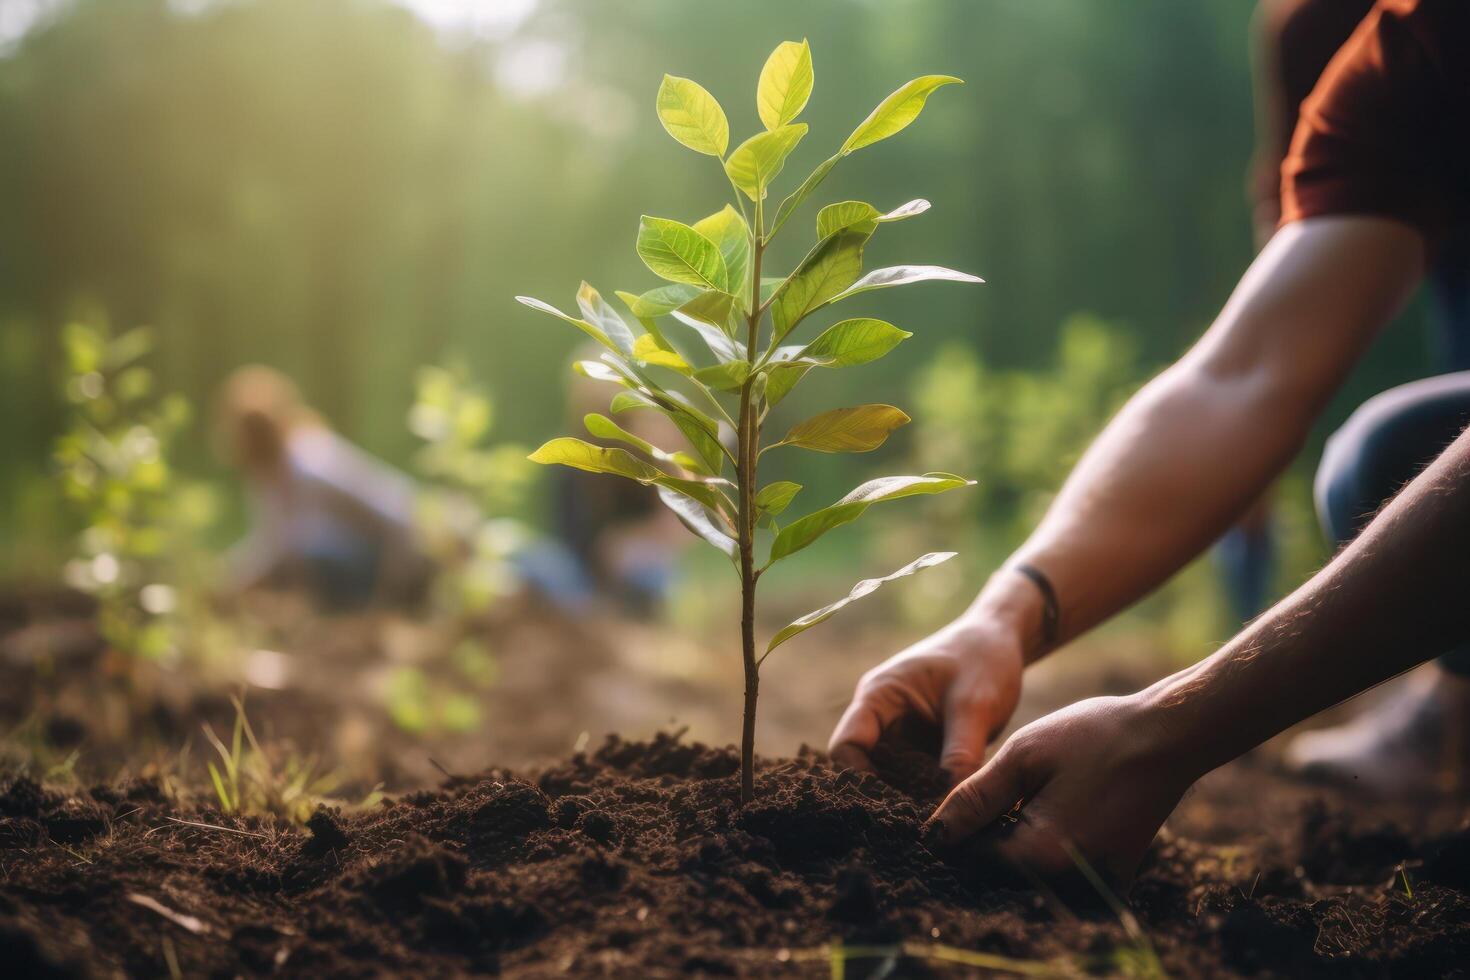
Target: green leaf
(660,301)
(852,342)
(828,269)
(728,376)
(629,400)
(728,230)
(581,455)
(846,214)
(678,253)
(625,401)
(859,429)
(757,161)
(896,111)
(864,588)
(647,350)
(711,306)
(705,445)
(796,197)
(603,427)
(591,330)
(785,84)
(859,214)
(801,533)
(781,378)
(899,275)
(773,498)
(698,519)
(701,430)
(599,313)
(692,116)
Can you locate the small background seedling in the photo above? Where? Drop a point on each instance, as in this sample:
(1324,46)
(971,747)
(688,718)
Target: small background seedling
(726,366)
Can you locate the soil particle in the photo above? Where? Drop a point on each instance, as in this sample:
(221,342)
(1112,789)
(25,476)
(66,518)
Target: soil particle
(639,860)
(327,833)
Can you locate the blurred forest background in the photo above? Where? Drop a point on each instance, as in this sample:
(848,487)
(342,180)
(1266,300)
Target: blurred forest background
(350,189)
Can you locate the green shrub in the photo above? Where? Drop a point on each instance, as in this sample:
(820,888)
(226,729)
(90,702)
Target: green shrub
(140,521)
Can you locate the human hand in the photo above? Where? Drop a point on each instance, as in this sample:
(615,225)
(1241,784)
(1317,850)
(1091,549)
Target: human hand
(1097,779)
(966,678)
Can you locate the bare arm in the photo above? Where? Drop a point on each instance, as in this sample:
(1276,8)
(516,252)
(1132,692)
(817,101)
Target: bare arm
(1195,446)
(1102,774)
(1186,456)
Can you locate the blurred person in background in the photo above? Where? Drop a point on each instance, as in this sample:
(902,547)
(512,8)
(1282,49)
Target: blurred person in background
(612,536)
(325,517)
(1376,181)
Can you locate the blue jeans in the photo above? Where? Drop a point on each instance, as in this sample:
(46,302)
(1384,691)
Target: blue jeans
(1382,446)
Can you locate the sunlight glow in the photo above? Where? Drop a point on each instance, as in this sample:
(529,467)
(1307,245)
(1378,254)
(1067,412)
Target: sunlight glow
(485,19)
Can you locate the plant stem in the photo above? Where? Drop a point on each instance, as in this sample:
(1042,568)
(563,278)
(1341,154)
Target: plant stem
(748,437)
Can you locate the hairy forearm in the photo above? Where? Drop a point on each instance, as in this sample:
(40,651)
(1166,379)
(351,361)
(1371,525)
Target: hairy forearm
(1389,601)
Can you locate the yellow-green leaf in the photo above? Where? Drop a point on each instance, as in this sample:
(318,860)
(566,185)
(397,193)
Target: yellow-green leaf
(728,376)
(581,455)
(728,230)
(692,116)
(678,253)
(757,161)
(896,111)
(800,533)
(831,267)
(851,342)
(659,301)
(647,350)
(864,588)
(785,84)
(858,214)
(859,429)
(776,497)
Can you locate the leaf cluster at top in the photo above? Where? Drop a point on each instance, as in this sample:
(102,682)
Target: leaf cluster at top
(717,328)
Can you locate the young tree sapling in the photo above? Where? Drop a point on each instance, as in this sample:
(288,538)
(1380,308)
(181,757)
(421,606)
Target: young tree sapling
(716,290)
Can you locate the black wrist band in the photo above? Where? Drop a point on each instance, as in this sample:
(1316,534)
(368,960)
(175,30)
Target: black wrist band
(1051,615)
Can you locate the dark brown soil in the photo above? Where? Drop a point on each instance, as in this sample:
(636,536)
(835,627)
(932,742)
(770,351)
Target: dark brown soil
(637,860)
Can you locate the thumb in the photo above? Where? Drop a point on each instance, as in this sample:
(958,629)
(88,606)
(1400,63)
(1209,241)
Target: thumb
(981,799)
(967,727)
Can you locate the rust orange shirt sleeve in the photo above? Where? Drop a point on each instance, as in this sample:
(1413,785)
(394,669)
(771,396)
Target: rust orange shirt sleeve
(1384,131)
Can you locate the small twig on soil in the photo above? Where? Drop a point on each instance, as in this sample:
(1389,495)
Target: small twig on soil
(197,926)
(210,826)
(447,774)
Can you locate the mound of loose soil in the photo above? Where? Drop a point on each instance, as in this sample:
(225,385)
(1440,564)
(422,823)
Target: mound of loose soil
(637,860)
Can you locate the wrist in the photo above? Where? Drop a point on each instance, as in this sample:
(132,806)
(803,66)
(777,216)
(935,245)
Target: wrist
(1013,604)
(1175,718)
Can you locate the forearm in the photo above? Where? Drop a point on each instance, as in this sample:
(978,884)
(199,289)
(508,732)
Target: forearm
(1392,599)
(1182,460)
(1191,451)
(1148,495)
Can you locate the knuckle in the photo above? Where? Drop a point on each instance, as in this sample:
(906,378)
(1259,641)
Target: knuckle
(970,801)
